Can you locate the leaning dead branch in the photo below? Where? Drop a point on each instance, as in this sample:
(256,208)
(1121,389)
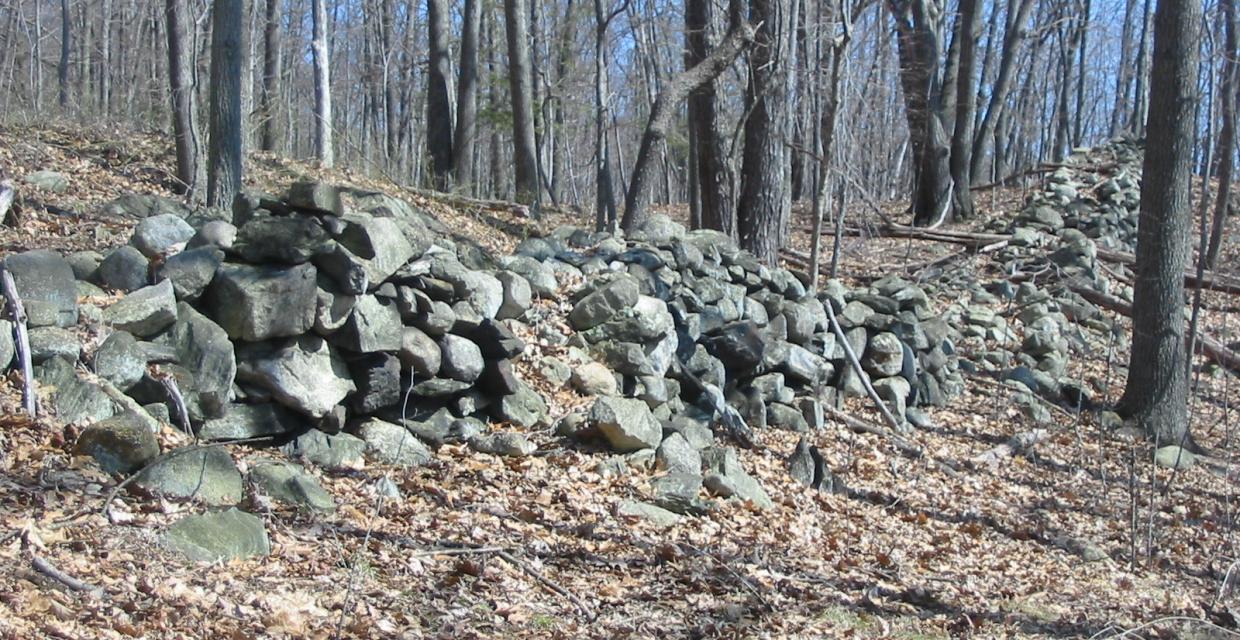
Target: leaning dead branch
(21,338)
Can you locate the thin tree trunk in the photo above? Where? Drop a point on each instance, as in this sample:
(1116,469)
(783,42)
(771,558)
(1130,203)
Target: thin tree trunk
(1012,37)
(714,168)
(1227,131)
(520,82)
(224,153)
(269,131)
(969,29)
(605,198)
(323,149)
(190,171)
(62,69)
(467,98)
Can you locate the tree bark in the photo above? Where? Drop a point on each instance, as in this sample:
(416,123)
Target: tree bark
(969,29)
(190,171)
(467,98)
(322,86)
(520,82)
(438,104)
(1227,131)
(268,128)
(666,106)
(762,208)
(716,182)
(1157,389)
(62,69)
(224,153)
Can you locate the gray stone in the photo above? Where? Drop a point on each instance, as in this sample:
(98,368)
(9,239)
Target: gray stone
(884,356)
(53,342)
(657,516)
(212,537)
(289,484)
(461,358)
(524,408)
(332,311)
(678,493)
(119,360)
(347,270)
(894,392)
(540,277)
(439,387)
(138,206)
(7,349)
(50,181)
(161,235)
(420,353)
(144,312)
(44,278)
(305,375)
(554,371)
(373,326)
(626,424)
(259,303)
(292,239)
(740,346)
(599,306)
(1175,457)
(316,197)
(243,421)
(594,379)
(85,264)
(505,443)
(518,295)
(216,233)
(203,347)
(207,475)
(380,244)
(393,444)
(676,455)
(124,269)
(77,401)
(782,416)
(120,444)
(723,461)
(191,271)
(378,382)
(331,452)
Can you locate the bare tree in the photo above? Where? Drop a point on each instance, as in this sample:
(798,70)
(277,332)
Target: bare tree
(1013,35)
(605,216)
(224,152)
(438,104)
(467,97)
(520,82)
(66,42)
(185,134)
(322,86)
(968,29)
(1156,393)
(1227,130)
(269,130)
(715,179)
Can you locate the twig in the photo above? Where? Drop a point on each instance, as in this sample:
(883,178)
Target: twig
(73,584)
(856,365)
(546,582)
(17,312)
(766,605)
(169,383)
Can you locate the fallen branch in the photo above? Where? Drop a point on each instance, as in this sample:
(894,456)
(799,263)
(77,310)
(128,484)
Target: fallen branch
(1209,280)
(546,582)
(21,338)
(1018,444)
(856,365)
(73,584)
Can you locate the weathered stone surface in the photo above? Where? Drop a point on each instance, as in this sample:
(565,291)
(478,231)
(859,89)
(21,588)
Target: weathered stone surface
(53,342)
(118,360)
(380,244)
(244,421)
(373,326)
(884,356)
(496,340)
(161,234)
(420,353)
(144,312)
(7,349)
(504,443)
(626,424)
(333,311)
(191,271)
(378,382)
(524,408)
(461,358)
(602,304)
(292,239)
(393,444)
(203,347)
(644,511)
(740,346)
(206,475)
(215,233)
(260,303)
(138,206)
(120,444)
(331,452)
(78,401)
(518,295)
(678,493)
(316,197)
(594,379)
(50,181)
(722,461)
(439,387)
(212,537)
(305,374)
(124,269)
(290,484)
(44,278)
(1175,457)
(676,455)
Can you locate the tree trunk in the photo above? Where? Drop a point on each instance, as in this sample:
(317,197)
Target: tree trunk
(1136,123)
(520,82)
(62,69)
(1227,131)
(762,209)
(605,217)
(438,104)
(1012,37)
(467,98)
(224,153)
(969,26)
(322,86)
(269,130)
(190,171)
(666,106)
(716,182)
(1157,389)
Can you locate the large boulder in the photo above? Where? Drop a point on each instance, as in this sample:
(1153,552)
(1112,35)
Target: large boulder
(212,537)
(627,424)
(207,475)
(203,347)
(304,374)
(393,444)
(373,326)
(461,358)
(243,421)
(44,278)
(161,235)
(290,239)
(124,269)
(119,360)
(289,484)
(608,300)
(259,303)
(191,271)
(379,243)
(120,444)
(144,312)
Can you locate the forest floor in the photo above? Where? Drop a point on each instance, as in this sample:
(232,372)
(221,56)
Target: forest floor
(1081,537)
